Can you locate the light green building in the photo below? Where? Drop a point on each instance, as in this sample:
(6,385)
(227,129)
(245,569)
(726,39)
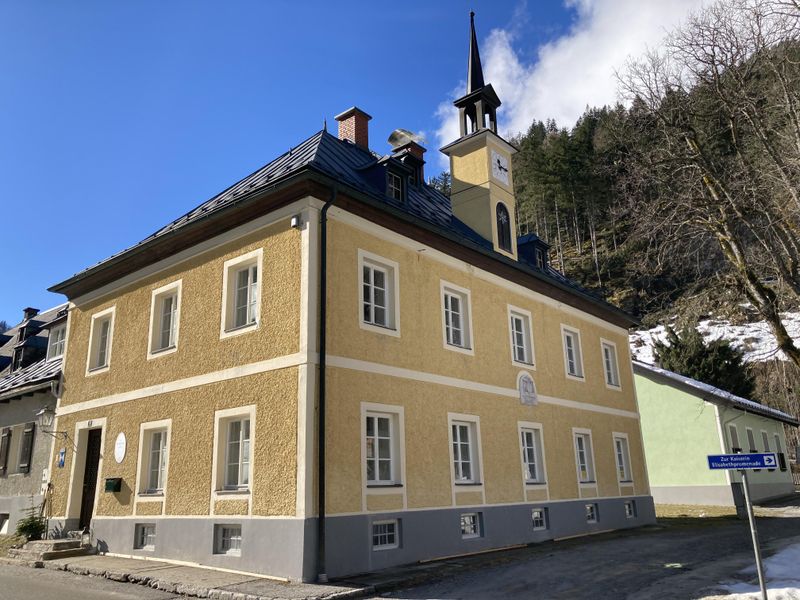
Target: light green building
(684,420)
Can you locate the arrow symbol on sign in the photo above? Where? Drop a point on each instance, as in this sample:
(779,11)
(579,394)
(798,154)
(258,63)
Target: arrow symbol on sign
(769,461)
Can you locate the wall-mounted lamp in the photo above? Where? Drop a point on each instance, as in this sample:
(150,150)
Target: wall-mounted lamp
(45,419)
(295,221)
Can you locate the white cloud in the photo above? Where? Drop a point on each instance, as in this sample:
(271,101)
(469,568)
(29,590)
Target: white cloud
(572,71)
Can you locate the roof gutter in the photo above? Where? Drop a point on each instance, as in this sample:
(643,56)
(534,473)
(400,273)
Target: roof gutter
(28,389)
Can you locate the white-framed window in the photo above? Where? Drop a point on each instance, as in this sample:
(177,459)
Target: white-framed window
(591,513)
(379,293)
(765,441)
(381,442)
(464,440)
(153,461)
(56,341)
(622,457)
(751,440)
(630,509)
(519,326)
(233,449)
(101,336)
(610,364)
(471,525)
(533,469)
(385,534)
(573,358)
(778,447)
(539,518)
(165,303)
(145,536)
(241,293)
(228,539)
(584,456)
(456,318)
(733,433)
(394,186)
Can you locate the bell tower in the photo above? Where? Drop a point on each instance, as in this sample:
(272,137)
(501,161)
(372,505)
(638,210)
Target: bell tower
(482,193)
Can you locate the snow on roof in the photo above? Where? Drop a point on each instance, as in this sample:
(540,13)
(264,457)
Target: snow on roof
(714,394)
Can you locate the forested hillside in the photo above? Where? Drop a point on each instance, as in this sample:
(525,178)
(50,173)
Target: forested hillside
(684,201)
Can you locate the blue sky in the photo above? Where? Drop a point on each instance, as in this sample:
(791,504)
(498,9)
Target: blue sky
(116,117)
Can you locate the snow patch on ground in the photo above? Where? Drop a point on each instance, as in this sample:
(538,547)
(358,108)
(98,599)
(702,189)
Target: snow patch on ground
(783,578)
(754,339)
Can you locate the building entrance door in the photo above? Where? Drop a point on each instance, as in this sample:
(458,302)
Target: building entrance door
(90,477)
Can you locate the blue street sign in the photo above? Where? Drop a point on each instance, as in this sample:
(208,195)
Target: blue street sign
(767,460)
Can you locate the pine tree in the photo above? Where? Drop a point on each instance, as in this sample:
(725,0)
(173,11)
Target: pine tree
(716,363)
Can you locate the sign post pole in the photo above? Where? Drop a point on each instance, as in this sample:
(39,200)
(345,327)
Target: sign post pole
(754,533)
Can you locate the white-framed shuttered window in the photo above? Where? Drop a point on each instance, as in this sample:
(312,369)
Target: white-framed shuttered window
(237,454)
(379,296)
(241,293)
(520,331)
(456,318)
(532,454)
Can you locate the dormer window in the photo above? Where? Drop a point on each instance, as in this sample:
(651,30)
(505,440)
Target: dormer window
(503,228)
(57,339)
(540,258)
(394,186)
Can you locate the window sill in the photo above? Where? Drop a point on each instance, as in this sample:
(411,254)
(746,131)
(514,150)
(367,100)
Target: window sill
(461,349)
(468,483)
(372,486)
(151,495)
(524,365)
(234,331)
(626,482)
(591,483)
(97,370)
(580,378)
(233,492)
(162,351)
(536,483)
(382,329)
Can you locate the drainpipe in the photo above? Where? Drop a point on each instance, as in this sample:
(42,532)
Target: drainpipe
(322,574)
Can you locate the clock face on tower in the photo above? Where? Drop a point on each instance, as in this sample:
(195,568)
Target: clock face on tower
(499,167)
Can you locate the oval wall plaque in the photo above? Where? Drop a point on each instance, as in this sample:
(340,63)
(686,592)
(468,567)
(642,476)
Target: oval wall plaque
(120,447)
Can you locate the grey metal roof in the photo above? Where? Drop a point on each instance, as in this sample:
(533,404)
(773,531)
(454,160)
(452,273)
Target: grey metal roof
(38,372)
(354,167)
(713,394)
(44,317)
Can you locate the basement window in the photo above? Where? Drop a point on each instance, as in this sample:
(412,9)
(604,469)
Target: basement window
(145,536)
(470,525)
(591,513)
(228,540)
(539,519)
(385,534)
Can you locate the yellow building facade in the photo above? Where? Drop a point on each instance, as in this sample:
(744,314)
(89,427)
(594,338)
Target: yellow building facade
(332,319)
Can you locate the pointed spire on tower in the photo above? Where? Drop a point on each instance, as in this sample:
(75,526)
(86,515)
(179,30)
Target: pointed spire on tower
(475,73)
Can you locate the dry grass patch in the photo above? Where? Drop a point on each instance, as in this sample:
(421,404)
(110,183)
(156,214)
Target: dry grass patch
(693,511)
(10,541)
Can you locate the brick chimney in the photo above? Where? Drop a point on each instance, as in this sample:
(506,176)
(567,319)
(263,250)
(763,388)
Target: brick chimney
(354,126)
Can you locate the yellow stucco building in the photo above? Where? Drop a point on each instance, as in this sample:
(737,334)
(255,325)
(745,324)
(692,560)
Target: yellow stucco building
(330,368)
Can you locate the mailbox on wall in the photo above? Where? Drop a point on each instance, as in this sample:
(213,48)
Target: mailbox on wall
(113,484)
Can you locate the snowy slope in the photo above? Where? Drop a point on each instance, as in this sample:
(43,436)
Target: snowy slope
(755,339)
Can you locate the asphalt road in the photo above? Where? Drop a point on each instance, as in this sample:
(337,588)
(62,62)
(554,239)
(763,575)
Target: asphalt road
(679,559)
(24,583)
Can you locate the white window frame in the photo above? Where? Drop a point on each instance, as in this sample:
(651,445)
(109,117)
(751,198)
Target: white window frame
(732,429)
(541,468)
(143,464)
(633,512)
(94,341)
(464,295)
(592,512)
(765,440)
(392,271)
(157,298)
(396,417)
(473,424)
(514,312)
(477,525)
(229,270)
(52,342)
(388,546)
(627,477)
(544,518)
(591,481)
(612,378)
(391,178)
(219,539)
(578,358)
(140,540)
(222,419)
(751,440)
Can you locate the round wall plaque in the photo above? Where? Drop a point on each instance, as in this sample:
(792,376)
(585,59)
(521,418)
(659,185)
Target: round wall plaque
(120,447)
